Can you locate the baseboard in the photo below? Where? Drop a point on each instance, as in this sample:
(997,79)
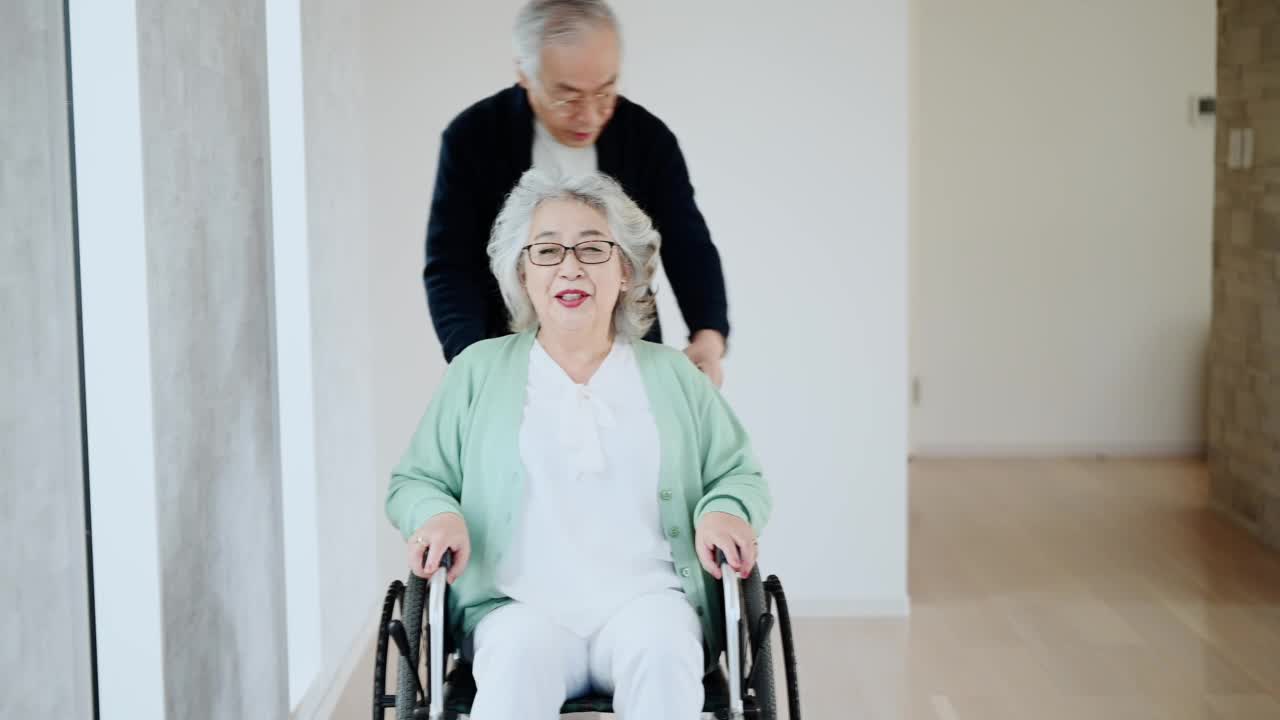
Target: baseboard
(323,695)
(850,607)
(1036,452)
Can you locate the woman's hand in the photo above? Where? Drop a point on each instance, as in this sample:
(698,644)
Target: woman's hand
(731,535)
(446,531)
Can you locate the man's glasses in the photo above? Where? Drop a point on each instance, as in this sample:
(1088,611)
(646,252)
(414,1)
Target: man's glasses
(572,107)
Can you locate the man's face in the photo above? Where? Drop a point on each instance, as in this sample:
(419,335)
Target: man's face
(575,95)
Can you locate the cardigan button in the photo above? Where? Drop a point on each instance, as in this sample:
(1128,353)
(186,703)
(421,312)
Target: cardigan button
(686,572)
(675,532)
(665,495)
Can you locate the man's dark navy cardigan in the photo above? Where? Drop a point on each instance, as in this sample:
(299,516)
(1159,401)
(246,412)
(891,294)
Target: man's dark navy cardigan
(483,153)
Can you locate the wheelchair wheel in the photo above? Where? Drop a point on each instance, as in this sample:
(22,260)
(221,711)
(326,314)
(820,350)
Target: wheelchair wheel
(760,680)
(415,598)
(382,701)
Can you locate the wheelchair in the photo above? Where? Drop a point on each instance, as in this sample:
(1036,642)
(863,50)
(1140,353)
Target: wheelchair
(741,687)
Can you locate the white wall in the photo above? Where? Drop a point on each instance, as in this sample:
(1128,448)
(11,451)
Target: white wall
(424,62)
(347,477)
(329,476)
(1061,225)
(795,129)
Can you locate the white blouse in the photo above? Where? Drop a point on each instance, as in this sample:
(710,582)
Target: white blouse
(589,538)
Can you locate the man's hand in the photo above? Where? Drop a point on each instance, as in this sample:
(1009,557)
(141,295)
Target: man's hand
(706,350)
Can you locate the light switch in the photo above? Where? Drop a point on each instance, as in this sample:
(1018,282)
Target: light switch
(1201,110)
(1240,148)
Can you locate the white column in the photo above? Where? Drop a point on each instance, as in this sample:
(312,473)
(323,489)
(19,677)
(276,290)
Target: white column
(294,376)
(117,354)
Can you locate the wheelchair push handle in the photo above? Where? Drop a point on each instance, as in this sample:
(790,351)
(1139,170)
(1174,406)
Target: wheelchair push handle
(446,560)
(437,587)
(721,561)
(733,628)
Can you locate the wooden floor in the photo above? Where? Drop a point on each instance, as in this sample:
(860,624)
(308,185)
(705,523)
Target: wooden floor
(1080,590)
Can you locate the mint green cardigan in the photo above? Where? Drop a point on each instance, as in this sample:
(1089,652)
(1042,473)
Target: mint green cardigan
(465,458)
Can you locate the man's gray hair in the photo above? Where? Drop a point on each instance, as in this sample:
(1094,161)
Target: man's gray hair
(545,22)
(631,228)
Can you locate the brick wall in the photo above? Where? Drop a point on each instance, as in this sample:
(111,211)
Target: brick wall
(1244,383)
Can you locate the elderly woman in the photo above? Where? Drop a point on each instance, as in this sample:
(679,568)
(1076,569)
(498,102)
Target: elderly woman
(582,477)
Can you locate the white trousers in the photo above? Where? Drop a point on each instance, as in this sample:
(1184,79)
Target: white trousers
(648,656)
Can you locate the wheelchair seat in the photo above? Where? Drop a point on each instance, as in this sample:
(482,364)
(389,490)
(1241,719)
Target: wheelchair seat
(460,692)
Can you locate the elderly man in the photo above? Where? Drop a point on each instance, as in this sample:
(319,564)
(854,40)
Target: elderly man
(564,116)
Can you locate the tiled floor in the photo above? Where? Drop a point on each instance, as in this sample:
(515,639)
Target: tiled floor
(1080,590)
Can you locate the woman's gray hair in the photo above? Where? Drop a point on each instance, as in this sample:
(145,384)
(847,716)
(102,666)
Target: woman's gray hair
(544,22)
(631,228)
